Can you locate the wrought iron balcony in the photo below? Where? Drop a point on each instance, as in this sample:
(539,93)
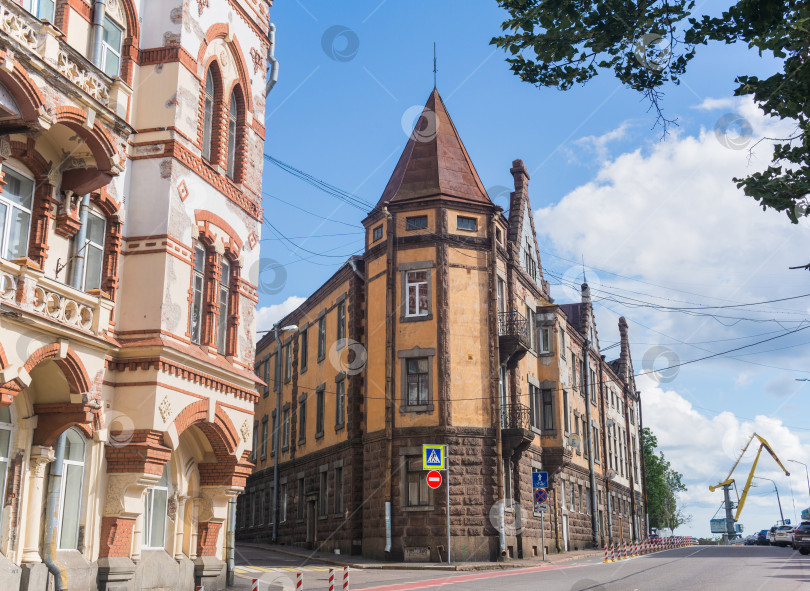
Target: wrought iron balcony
(516,427)
(513,337)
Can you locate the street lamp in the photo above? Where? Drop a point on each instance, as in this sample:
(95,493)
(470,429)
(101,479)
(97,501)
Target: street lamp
(777,497)
(806,473)
(277,421)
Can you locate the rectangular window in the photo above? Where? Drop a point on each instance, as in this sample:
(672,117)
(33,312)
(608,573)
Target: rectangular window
(574,369)
(323,494)
(287,362)
(416,223)
(255,442)
(282,495)
(222,318)
(548,409)
(376,233)
(197,281)
(417,381)
(545,339)
(264,437)
(416,290)
(341,321)
(580,495)
(154,518)
(303,349)
(90,255)
(593,387)
(418,493)
(632,416)
(573,497)
(266,376)
(302,421)
(507,483)
(501,294)
(299,507)
(276,368)
(339,490)
(111,48)
(566,420)
(465,223)
(42,9)
(588,500)
(340,403)
(285,429)
(562,494)
(273,435)
(321,338)
(562,344)
(534,407)
(596,455)
(531,327)
(319,412)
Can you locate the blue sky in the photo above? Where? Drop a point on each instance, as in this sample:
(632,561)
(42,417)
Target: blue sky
(656,220)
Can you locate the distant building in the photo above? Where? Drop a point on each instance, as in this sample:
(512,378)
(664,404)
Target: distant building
(130,209)
(444,332)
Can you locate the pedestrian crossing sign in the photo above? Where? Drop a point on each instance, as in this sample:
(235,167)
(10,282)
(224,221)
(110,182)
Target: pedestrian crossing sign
(433,457)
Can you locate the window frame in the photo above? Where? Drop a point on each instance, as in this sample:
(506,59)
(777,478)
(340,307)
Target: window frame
(323,494)
(320,410)
(209,100)
(340,402)
(6,223)
(547,404)
(287,353)
(88,245)
(302,419)
(263,454)
(466,219)
(34,7)
(233,122)
(109,48)
(376,233)
(544,340)
(338,504)
(5,458)
(406,272)
(321,338)
(303,348)
(224,302)
(416,222)
(285,427)
(282,490)
(416,477)
(63,510)
(416,353)
(149,513)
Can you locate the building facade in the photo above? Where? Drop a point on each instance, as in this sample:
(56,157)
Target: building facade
(444,331)
(131,143)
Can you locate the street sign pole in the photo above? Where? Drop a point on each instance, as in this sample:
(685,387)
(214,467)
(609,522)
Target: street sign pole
(447,488)
(543,533)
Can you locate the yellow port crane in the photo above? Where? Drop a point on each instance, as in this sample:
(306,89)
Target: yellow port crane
(729,481)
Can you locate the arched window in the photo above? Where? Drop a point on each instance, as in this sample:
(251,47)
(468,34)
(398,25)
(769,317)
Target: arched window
(90,255)
(208,116)
(72,483)
(197,286)
(232,119)
(16,202)
(224,297)
(154,516)
(5,448)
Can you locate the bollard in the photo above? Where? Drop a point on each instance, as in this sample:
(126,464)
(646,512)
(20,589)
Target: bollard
(613,557)
(200,588)
(624,550)
(331,579)
(299,581)
(345,578)
(606,555)
(254,585)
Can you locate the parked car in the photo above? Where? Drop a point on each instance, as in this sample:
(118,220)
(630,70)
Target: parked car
(762,538)
(783,536)
(772,535)
(751,540)
(695,542)
(801,538)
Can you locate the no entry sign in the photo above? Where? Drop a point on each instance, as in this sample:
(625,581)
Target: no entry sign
(434,479)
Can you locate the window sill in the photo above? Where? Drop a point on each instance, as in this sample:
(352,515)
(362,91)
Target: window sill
(303,370)
(340,427)
(417,508)
(319,435)
(323,517)
(417,408)
(320,359)
(285,448)
(302,442)
(424,317)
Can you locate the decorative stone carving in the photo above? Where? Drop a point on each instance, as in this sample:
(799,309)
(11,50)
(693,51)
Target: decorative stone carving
(116,12)
(83,78)
(245,431)
(16,27)
(165,409)
(124,494)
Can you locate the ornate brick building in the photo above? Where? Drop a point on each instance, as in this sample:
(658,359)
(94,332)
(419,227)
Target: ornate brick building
(443,332)
(130,206)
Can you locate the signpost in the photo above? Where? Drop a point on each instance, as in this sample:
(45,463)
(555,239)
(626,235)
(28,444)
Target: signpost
(540,486)
(434,458)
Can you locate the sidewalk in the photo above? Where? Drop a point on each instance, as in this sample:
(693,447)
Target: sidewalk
(360,562)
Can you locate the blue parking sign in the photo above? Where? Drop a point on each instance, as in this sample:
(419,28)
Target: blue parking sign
(539,479)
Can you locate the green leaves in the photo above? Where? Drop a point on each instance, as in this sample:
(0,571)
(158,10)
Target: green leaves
(648,45)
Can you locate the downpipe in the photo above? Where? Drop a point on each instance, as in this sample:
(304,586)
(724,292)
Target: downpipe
(230,542)
(271,57)
(52,515)
(99,8)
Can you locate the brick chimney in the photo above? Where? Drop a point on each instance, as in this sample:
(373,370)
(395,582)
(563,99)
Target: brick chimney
(624,356)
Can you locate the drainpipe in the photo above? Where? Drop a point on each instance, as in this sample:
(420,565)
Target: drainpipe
(52,514)
(81,244)
(99,7)
(390,360)
(230,542)
(495,368)
(276,446)
(271,57)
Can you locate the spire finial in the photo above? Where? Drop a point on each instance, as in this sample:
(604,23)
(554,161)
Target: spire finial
(435,70)
(584,277)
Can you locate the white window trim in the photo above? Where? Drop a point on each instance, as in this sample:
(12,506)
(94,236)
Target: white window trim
(106,46)
(63,487)
(11,205)
(147,525)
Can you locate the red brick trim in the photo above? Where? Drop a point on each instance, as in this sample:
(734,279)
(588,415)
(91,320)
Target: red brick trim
(175,369)
(97,139)
(112,241)
(27,95)
(196,413)
(207,536)
(142,452)
(116,537)
(168,54)
(206,217)
(54,419)
(220,182)
(71,366)
(220,31)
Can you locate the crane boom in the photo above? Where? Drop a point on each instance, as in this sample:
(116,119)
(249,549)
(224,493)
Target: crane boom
(729,480)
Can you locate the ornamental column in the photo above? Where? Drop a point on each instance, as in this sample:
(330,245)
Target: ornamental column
(40,457)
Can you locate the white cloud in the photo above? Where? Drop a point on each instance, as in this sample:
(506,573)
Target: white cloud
(712,104)
(705,448)
(267,316)
(599,143)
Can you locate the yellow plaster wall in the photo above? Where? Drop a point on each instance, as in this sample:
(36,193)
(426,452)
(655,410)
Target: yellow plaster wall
(78,33)
(452,223)
(375,341)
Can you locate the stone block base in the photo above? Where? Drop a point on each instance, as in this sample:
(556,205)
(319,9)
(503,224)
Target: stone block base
(115,574)
(209,571)
(10,574)
(35,576)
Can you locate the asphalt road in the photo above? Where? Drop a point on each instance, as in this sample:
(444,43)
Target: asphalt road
(749,568)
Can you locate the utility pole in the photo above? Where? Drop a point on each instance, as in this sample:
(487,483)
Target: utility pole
(778,501)
(805,473)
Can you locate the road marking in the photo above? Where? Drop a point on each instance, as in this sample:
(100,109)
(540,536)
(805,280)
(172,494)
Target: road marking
(455,580)
(275,569)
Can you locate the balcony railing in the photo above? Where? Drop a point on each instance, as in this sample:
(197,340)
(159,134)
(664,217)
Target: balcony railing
(43,40)
(513,324)
(516,416)
(29,291)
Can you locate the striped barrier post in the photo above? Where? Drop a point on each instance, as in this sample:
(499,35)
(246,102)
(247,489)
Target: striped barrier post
(607,559)
(624,550)
(299,581)
(254,585)
(331,579)
(199,588)
(345,578)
